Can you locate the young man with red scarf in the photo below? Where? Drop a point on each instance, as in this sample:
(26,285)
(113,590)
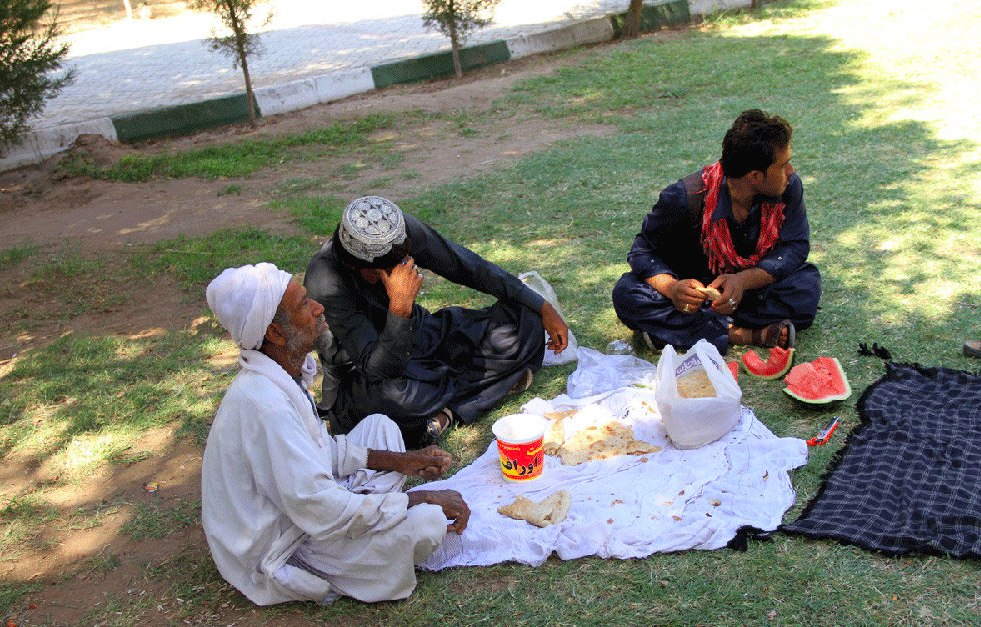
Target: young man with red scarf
(738,226)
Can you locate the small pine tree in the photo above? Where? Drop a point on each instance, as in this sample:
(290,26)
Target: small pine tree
(237,16)
(457,19)
(29,58)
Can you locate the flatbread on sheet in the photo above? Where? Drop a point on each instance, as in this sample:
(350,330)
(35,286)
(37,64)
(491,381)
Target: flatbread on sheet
(601,442)
(695,384)
(550,511)
(560,415)
(553,438)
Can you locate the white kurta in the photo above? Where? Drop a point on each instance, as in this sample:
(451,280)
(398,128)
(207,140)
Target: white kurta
(273,480)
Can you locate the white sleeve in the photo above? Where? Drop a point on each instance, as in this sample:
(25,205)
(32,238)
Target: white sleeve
(297,475)
(346,457)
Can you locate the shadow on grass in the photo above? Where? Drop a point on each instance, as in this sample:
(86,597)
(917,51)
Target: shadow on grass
(108,388)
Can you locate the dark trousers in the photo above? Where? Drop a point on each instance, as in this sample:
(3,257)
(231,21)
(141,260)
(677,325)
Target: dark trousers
(641,307)
(463,359)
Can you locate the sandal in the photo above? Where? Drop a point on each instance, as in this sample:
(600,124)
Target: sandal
(972,348)
(769,336)
(523,382)
(438,424)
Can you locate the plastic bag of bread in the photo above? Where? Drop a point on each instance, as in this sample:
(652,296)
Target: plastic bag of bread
(697,395)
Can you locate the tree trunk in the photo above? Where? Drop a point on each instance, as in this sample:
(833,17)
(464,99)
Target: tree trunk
(455,44)
(248,88)
(238,30)
(631,25)
(129,9)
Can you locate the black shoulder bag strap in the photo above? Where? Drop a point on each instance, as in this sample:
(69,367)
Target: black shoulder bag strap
(695,189)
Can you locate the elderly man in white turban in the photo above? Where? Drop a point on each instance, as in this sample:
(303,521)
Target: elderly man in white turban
(424,370)
(291,513)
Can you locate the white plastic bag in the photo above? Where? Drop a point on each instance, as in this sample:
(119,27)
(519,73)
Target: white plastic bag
(695,422)
(542,288)
(598,373)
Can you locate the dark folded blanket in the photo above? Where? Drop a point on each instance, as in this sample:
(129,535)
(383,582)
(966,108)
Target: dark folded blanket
(909,476)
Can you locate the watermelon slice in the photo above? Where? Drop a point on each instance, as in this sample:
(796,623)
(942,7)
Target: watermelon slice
(817,382)
(775,366)
(734,369)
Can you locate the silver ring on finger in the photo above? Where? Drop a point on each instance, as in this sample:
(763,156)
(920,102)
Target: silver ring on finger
(688,308)
(732,302)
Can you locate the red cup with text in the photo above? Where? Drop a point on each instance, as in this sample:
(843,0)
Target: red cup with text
(519,444)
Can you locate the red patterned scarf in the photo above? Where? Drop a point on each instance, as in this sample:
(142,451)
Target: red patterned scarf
(716,239)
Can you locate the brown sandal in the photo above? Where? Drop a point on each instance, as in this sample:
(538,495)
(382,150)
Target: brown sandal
(523,383)
(769,336)
(438,424)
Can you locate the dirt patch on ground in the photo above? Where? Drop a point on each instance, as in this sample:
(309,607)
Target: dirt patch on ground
(40,205)
(34,316)
(109,220)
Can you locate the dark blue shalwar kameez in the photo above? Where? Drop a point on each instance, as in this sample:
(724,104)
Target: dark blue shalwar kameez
(670,243)
(410,368)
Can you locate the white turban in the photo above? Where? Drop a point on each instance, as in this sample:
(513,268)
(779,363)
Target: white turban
(245,300)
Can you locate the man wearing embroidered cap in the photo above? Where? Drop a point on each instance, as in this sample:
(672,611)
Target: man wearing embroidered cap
(738,227)
(291,513)
(422,369)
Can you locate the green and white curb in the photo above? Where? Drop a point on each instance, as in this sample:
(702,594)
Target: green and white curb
(312,91)
(38,145)
(584,33)
(188,118)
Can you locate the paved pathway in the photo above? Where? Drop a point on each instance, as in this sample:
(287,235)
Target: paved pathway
(145,64)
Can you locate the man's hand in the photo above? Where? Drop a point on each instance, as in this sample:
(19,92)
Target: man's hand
(733,287)
(402,284)
(685,295)
(429,463)
(454,508)
(555,326)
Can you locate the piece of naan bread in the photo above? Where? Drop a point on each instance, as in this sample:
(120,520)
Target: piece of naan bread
(695,384)
(609,440)
(550,511)
(553,438)
(710,293)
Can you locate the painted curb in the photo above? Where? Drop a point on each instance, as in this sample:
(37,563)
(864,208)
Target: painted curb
(707,7)
(311,91)
(655,16)
(43,143)
(593,31)
(440,64)
(182,119)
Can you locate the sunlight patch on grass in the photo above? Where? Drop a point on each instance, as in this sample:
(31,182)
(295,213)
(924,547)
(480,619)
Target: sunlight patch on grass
(131,385)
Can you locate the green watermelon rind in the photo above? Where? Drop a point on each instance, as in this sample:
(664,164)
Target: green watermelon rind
(827,399)
(768,377)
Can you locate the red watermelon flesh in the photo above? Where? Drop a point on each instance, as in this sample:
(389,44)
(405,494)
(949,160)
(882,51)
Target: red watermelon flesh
(775,366)
(819,381)
(734,369)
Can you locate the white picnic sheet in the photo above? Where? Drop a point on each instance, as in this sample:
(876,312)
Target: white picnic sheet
(632,505)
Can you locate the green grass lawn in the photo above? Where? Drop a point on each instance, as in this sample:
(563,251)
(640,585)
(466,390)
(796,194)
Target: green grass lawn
(884,96)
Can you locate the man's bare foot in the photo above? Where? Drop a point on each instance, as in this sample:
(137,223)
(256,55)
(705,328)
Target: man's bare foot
(780,334)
